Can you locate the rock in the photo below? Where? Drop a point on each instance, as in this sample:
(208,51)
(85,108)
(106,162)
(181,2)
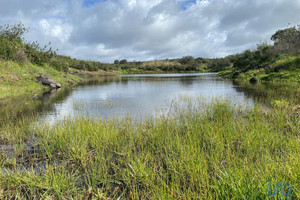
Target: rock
(253,80)
(44,80)
(53,86)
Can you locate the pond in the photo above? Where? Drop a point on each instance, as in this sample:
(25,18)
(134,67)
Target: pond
(142,96)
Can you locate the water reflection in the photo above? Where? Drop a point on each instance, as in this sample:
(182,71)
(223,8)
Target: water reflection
(141,95)
(267,92)
(29,106)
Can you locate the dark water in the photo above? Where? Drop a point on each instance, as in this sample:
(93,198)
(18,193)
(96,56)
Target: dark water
(141,96)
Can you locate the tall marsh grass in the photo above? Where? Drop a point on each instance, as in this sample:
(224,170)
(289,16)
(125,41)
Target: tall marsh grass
(216,152)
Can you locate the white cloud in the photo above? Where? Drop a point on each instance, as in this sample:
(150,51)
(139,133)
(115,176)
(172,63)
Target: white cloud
(55,29)
(156,29)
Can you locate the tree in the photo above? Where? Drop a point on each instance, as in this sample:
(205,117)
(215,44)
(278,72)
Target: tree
(186,60)
(116,62)
(124,61)
(286,41)
(285,35)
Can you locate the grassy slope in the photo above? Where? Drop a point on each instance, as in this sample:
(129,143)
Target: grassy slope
(289,73)
(17,79)
(221,153)
(20,79)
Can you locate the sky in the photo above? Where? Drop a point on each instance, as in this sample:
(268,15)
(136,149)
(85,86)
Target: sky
(106,30)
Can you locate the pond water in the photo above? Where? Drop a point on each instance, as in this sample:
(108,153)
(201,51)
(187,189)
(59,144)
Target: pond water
(141,96)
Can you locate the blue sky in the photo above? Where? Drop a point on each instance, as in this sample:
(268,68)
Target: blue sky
(105,30)
(182,3)
(89,3)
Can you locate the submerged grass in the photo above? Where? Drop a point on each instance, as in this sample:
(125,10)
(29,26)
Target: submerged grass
(216,152)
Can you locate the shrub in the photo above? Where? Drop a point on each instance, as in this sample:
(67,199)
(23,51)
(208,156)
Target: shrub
(8,49)
(59,64)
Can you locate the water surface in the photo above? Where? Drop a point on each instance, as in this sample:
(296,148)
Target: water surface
(141,96)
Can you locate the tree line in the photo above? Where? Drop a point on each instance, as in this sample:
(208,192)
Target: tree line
(14,47)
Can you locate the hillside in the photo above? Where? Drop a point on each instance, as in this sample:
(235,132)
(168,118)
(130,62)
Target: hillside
(277,62)
(22,62)
(282,68)
(19,79)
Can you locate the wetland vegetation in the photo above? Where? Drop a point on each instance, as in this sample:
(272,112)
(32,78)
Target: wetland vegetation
(212,151)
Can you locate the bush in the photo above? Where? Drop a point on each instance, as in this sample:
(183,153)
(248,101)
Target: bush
(12,32)
(59,64)
(8,50)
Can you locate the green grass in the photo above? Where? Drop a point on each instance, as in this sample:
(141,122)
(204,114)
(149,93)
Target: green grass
(20,79)
(212,151)
(285,68)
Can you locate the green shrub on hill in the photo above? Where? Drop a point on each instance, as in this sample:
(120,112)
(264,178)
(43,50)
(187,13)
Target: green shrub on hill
(13,47)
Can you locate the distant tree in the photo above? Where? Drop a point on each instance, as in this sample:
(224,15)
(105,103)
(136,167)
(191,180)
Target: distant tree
(124,61)
(219,64)
(186,60)
(201,60)
(116,62)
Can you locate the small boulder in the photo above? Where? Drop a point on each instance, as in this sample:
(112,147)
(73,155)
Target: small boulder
(44,80)
(253,80)
(53,86)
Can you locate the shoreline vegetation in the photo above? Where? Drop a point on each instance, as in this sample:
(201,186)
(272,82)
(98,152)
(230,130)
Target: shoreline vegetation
(198,151)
